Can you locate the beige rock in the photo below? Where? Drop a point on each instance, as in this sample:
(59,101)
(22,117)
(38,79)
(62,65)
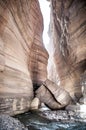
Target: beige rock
(35,103)
(53,96)
(23,58)
(75,108)
(68,41)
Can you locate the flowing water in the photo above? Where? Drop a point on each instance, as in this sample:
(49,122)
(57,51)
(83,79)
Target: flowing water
(36,122)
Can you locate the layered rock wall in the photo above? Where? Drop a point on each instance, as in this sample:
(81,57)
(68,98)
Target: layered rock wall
(69,39)
(23,59)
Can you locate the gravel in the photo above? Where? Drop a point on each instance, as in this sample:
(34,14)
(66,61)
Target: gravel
(10,123)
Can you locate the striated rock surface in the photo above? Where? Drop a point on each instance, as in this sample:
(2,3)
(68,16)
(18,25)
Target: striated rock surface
(23,59)
(69,39)
(53,96)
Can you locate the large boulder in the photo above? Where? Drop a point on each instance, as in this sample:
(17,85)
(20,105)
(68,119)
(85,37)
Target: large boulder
(53,96)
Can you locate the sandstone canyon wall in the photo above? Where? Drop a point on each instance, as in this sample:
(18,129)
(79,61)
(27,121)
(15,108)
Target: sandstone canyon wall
(23,58)
(68,25)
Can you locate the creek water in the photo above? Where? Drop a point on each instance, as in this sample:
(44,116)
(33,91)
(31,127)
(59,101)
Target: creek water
(34,121)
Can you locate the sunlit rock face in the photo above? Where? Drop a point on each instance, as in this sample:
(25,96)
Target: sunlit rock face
(52,73)
(23,59)
(69,39)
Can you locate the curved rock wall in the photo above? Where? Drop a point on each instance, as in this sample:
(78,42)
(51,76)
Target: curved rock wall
(69,39)
(23,58)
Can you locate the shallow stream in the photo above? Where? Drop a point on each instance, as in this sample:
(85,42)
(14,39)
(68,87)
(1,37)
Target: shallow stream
(34,121)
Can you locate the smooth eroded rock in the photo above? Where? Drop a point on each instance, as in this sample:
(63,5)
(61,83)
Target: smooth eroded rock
(68,44)
(52,95)
(23,58)
(35,103)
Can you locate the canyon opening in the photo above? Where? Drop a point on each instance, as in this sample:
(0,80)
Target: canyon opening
(43,64)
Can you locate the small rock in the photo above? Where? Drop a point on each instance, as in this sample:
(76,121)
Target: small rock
(74,108)
(35,104)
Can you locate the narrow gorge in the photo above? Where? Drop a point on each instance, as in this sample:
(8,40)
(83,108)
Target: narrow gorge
(56,77)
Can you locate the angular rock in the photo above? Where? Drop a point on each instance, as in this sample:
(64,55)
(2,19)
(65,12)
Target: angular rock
(46,97)
(35,103)
(53,96)
(59,93)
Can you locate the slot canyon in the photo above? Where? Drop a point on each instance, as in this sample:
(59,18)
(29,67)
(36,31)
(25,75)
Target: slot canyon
(55,76)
